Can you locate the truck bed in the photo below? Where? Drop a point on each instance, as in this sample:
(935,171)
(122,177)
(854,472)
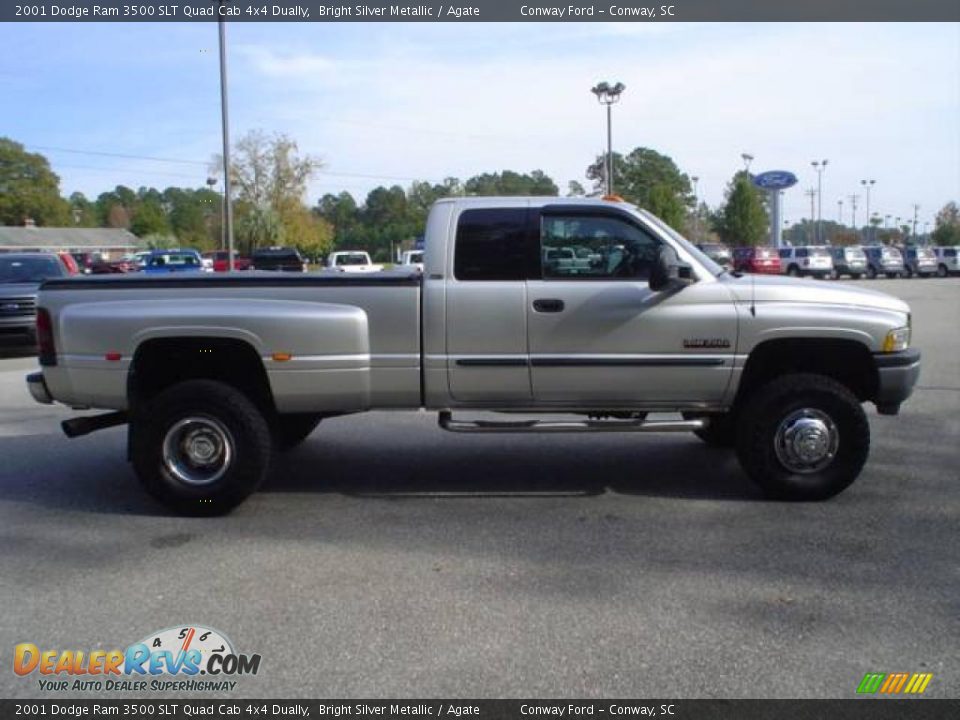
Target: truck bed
(376,349)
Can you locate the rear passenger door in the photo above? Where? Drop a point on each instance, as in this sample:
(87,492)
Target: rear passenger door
(486,306)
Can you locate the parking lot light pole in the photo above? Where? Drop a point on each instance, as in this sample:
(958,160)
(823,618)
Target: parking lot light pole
(868,184)
(747,159)
(840,211)
(696,208)
(225,122)
(853,212)
(609,95)
(819,167)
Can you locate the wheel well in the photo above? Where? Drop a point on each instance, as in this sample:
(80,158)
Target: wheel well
(846,361)
(158,364)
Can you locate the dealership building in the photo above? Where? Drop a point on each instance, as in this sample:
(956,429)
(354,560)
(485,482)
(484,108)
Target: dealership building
(112,243)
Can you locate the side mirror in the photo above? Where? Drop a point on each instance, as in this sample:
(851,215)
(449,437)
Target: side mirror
(666,269)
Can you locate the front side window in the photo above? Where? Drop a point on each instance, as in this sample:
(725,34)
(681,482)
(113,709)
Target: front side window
(585,247)
(492,245)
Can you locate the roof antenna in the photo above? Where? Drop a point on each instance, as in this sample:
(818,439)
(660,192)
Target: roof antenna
(753,294)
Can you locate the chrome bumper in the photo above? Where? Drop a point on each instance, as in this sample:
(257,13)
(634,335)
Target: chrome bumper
(38,388)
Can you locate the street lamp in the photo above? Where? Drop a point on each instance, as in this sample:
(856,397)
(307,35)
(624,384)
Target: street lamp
(225,128)
(840,211)
(868,184)
(853,215)
(819,167)
(609,95)
(747,159)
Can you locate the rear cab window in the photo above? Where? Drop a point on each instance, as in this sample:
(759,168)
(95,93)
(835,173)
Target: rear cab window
(494,244)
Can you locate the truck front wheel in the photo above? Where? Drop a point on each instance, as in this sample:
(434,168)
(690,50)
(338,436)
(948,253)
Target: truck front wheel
(200,447)
(803,437)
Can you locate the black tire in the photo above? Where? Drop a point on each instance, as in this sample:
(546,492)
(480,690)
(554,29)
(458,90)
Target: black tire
(291,430)
(221,415)
(871,273)
(793,271)
(941,271)
(721,432)
(805,397)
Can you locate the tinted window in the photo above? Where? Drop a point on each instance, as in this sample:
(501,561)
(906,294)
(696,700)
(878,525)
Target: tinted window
(784,252)
(950,253)
(492,245)
(17,269)
(802,252)
(580,246)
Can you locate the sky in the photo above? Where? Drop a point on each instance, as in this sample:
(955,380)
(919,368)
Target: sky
(382,103)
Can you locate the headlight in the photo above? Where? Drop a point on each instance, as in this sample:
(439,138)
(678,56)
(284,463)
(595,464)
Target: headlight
(897,340)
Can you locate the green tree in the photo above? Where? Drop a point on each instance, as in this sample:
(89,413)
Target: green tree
(947,230)
(650,180)
(149,219)
(511,183)
(258,226)
(743,220)
(29,188)
(82,211)
(575,189)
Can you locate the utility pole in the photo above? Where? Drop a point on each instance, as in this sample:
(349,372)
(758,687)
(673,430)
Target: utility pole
(225,122)
(840,211)
(819,167)
(916,209)
(812,194)
(853,215)
(696,209)
(868,184)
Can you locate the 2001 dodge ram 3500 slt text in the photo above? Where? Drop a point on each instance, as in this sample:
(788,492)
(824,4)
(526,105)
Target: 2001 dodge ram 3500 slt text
(216,373)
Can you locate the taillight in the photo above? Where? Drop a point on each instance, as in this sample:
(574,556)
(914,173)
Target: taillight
(46,351)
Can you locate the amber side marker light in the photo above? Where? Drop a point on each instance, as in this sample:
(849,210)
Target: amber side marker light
(281,357)
(613,198)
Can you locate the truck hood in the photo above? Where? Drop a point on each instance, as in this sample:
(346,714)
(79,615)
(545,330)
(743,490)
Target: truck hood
(777,288)
(18,289)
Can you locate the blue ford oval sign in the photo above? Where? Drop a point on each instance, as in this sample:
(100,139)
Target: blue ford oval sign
(775,180)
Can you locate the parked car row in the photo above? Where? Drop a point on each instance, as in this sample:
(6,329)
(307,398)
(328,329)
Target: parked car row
(823,261)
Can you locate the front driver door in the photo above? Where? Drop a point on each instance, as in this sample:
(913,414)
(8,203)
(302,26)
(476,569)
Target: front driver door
(599,336)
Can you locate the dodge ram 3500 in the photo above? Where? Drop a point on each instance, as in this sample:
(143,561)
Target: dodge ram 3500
(215,373)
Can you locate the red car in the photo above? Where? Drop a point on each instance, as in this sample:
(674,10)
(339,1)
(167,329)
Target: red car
(220,260)
(69,262)
(760,259)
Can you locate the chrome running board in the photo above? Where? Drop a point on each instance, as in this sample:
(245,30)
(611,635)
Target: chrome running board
(446,421)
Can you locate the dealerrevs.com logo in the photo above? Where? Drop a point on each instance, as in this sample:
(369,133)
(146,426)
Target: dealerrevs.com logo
(186,658)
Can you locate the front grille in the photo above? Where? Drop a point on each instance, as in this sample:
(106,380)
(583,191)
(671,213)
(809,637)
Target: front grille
(17,306)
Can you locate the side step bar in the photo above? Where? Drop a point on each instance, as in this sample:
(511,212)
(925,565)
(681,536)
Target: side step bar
(75,427)
(446,421)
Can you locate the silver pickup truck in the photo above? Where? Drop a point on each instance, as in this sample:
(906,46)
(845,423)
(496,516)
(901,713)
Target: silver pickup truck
(214,374)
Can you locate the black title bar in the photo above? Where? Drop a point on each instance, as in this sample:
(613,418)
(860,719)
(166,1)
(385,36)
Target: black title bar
(481,10)
(219,709)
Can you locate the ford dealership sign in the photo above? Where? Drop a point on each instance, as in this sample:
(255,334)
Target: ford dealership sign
(775,180)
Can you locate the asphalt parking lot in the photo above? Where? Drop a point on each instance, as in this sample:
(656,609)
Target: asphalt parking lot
(386,558)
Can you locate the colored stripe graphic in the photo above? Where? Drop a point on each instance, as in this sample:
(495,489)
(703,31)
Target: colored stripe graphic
(871,683)
(894,683)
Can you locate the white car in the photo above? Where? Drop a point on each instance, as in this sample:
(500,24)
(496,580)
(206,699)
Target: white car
(355,261)
(412,259)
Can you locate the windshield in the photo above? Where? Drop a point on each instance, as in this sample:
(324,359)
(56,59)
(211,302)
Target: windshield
(353,259)
(415,257)
(29,269)
(688,246)
(174,260)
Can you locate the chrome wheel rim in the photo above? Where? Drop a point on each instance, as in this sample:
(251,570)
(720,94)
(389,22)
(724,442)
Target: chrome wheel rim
(198,450)
(806,441)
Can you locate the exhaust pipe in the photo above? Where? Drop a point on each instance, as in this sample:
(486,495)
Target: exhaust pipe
(75,427)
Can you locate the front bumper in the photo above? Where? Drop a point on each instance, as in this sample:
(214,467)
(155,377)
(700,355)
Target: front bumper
(38,388)
(897,373)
